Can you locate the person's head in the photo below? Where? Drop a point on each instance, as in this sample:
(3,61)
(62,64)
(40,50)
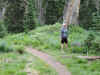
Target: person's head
(64,24)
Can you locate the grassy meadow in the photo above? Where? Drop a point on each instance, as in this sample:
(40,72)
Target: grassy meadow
(47,39)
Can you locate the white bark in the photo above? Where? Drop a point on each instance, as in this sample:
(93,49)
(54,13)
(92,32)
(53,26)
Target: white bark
(40,12)
(66,13)
(2,13)
(2,8)
(75,12)
(72,12)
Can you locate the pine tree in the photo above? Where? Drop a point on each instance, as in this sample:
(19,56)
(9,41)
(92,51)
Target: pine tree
(14,16)
(87,8)
(96,21)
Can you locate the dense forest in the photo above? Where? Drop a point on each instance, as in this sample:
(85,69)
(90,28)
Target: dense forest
(21,15)
(30,29)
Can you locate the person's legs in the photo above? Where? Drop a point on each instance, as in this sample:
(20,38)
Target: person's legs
(66,42)
(62,44)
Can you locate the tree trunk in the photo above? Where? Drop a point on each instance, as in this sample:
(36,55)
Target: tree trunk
(72,12)
(65,12)
(41,18)
(2,9)
(0,15)
(75,12)
(98,5)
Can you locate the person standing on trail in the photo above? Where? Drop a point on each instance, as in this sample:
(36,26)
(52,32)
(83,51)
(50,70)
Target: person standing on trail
(64,36)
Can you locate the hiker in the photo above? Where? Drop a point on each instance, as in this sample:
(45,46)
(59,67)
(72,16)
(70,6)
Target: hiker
(64,36)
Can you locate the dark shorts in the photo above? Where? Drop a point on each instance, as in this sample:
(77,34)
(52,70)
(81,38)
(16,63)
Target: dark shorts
(64,40)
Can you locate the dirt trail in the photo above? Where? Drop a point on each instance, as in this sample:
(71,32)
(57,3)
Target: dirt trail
(61,69)
(28,69)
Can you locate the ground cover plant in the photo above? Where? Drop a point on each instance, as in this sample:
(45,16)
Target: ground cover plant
(47,39)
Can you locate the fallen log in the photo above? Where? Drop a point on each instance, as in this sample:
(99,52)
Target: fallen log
(89,57)
(83,57)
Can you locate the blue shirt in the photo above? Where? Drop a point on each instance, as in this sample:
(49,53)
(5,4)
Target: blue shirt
(64,32)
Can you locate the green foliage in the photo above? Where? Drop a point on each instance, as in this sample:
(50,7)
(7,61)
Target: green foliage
(54,11)
(14,16)
(95,66)
(88,41)
(47,39)
(96,22)
(19,48)
(12,63)
(96,47)
(76,29)
(20,15)
(24,15)
(92,44)
(82,61)
(6,46)
(43,68)
(79,39)
(76,38)
(3,30)
(29,17)
(87,8)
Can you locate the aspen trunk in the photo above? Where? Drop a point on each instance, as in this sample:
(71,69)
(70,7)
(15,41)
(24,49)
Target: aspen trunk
(75,12)
(40,12)
(72,12)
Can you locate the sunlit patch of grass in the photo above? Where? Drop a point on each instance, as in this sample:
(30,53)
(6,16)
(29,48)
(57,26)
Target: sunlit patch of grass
(12,64)
(47,39)
(15,64)
(80,66)
(6,46)
(42,67)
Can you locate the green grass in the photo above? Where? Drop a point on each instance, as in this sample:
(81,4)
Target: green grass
(15,64)
(12,64)
(42,67)
(79,66)
(47,39)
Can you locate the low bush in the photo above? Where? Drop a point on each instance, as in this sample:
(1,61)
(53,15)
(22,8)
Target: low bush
(82,61)
(6,46)
(92,44)
(3,31)
(19,48)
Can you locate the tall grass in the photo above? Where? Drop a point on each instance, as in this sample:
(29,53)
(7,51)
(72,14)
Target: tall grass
(47,39)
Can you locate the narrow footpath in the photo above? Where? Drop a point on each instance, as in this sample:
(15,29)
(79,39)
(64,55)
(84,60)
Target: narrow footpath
(61,69)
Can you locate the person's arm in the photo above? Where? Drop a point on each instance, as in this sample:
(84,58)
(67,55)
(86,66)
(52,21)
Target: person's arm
(61,32)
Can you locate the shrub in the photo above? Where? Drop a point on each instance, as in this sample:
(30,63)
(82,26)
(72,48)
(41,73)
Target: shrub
(88,42)
(14,15)
(95,47)
(96,22)
(92,44)
(82,61)
(2,29)
(75,28)
(19,48)
(95,66)
(5,46)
